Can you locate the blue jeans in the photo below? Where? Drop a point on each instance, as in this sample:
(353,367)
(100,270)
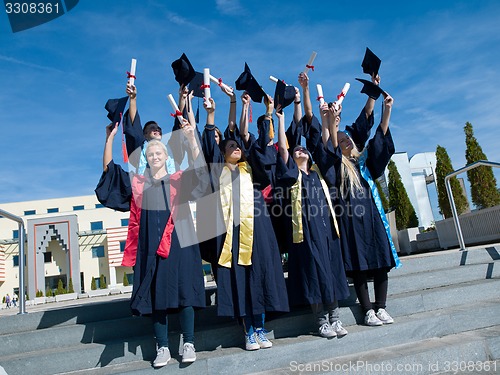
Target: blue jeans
(252,322)
(160,325)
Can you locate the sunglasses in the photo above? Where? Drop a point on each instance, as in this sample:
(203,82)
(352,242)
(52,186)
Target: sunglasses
(152,129)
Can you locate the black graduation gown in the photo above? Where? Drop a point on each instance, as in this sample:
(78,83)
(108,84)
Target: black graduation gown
(364,241)
(259,287)
(160,283)
(315,266)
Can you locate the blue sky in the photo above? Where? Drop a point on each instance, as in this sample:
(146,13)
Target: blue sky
(440,62)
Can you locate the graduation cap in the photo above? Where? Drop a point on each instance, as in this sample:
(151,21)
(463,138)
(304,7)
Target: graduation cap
(196,84)
(183,70)
(371,63)
(247,82)
(116,108)
(371,89)
(284,94)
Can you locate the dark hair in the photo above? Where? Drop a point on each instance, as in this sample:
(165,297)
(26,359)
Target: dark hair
(223,143)
(146,125)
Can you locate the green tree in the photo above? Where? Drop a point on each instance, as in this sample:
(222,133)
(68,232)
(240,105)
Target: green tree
(70,286)
(60,288)
(125,280)
(93,284)
(383,198)
(48,292)
(483,185)
(399,201)
(444,168)
(102,282)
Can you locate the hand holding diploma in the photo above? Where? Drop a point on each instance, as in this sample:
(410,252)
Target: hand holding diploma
(176,113)
(310,65)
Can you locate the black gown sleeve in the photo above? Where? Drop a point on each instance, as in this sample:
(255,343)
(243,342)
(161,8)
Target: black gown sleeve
(134,137)
(286,173)
(114,189)
(360,129)
(380,150)
(262,159)
(329,161)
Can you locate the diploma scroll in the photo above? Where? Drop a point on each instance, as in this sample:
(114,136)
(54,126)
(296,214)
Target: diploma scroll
(341,96)
(310,65)
(176,113)
(131,74)
(274,79)
(220,83)
(320,98)
(206,86)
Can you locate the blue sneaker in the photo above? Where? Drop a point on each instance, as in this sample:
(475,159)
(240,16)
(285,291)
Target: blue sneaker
(262,340)
(251,342)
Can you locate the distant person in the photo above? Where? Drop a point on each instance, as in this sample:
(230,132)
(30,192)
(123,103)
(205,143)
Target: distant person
(14,300)
(7,301)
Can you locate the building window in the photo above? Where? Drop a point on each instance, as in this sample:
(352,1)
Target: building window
(15,234)
(29,212)
(98,252)
(52,210)
(15,258)
(124,222)
(96,225)
(122,246)
(99,205)
(47,257)
(78,208)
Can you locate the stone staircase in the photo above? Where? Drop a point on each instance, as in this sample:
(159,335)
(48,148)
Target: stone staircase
(446,307)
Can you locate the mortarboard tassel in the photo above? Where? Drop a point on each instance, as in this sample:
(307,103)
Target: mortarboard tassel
(124,147)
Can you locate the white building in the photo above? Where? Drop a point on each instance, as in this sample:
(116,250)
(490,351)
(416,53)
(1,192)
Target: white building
(66,237)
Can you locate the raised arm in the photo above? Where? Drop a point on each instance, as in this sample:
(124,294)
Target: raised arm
(297,108)
(108,145)
(370,103)
(306,96)
(245,101)
(189,132)
(384,124)
(282,144)
(131,91)
(231,121)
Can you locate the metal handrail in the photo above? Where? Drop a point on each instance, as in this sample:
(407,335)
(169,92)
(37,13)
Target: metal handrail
(458,228)
(22,295)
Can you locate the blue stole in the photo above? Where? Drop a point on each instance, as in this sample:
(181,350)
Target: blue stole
(365,173)
(143,162)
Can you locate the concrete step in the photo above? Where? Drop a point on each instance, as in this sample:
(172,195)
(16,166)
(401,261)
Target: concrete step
(419,338)
(228,333)
(60,353)
(471,352)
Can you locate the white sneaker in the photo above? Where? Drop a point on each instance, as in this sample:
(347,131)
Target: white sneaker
(251,343)
(261,338)
(326,330)
(188,353)
(162,357)
(384,316)
(371,319)
(337,327)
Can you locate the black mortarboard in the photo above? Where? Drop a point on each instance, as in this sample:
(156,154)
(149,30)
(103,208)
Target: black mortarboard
(183,70)
(247,82)
(284,94)
(371,89)
(196,84)
(116,108)
(371,63)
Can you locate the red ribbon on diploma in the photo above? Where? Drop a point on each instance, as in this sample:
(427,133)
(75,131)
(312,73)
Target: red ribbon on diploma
(204,86)
(319,97)
(177,113)
(220,81)
(341,95)
(131,75)
(310,67)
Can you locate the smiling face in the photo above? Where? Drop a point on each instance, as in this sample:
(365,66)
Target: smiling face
(152,131)
(232,152)
(345,143)
(156,156)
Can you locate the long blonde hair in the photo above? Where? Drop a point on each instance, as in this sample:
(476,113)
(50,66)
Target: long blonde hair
(349,175)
